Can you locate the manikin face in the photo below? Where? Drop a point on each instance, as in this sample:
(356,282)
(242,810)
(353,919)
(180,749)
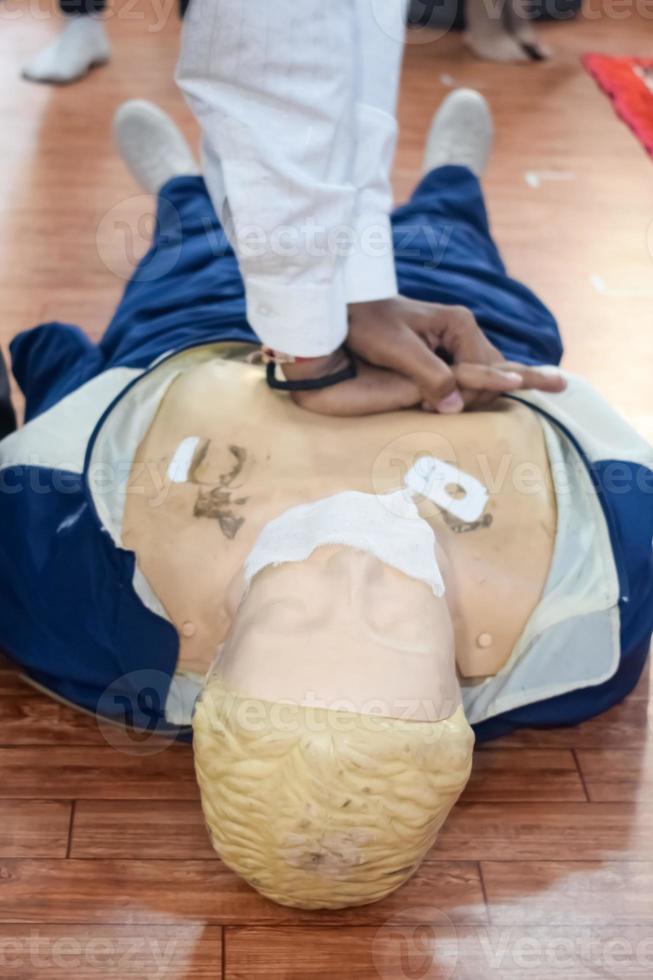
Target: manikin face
(344,631)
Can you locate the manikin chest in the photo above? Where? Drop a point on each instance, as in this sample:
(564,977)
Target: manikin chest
(224,455)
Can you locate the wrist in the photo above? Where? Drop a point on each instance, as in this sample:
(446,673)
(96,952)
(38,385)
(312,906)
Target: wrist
(373,305)
(315,367)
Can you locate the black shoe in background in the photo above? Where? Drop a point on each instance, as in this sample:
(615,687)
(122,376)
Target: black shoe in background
(7,414)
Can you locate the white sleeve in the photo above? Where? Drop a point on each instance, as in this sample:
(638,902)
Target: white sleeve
(370,272)
(273,83)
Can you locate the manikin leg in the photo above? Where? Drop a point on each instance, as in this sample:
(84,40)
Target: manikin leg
(152,147)
(460,134)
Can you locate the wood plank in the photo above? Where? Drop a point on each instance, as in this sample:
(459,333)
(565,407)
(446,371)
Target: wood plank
(296,954)
(531,774)
(98,772)
(135,829)
(90,309)
(643,689)
(30,718)
(34,828)
(589,893)
(140,829)
(204,892)
(401,950)
(11,683)
(95,952)
(612,775)
(546,832)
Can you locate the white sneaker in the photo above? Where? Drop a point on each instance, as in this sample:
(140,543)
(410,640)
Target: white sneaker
(82,44)
(151,145)
(461,133)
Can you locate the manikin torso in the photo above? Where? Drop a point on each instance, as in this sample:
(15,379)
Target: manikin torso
(257,455)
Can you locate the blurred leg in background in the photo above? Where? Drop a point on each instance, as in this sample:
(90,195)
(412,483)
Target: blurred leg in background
(494,30)
(502,32)
(83,44)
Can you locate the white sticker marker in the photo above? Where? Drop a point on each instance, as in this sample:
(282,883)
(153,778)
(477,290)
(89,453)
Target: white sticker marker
(599,284)
(452,82)
(535,178)
(433,478)
(180,463)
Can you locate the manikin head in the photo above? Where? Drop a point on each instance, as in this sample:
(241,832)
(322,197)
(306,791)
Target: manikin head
(330,739)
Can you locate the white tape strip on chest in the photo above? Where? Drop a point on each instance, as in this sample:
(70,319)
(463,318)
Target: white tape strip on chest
(180,463)
(431,478)
(388,526)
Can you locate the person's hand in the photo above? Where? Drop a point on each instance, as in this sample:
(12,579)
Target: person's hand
(403,335)
(372,392)
(395,342)
(376,390)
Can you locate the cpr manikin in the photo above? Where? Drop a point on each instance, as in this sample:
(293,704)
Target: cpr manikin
(330,738)
(165,458)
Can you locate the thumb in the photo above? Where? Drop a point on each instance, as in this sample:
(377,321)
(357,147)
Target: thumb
(451,404)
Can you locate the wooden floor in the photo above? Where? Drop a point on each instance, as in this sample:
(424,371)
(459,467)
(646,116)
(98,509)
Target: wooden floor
(545,870)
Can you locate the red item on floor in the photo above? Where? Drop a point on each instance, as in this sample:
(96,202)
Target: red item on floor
(629,84)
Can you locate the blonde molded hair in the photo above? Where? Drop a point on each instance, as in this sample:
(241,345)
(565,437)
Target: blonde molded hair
(320,808)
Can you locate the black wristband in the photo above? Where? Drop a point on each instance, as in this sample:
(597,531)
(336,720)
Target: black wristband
(312,384)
